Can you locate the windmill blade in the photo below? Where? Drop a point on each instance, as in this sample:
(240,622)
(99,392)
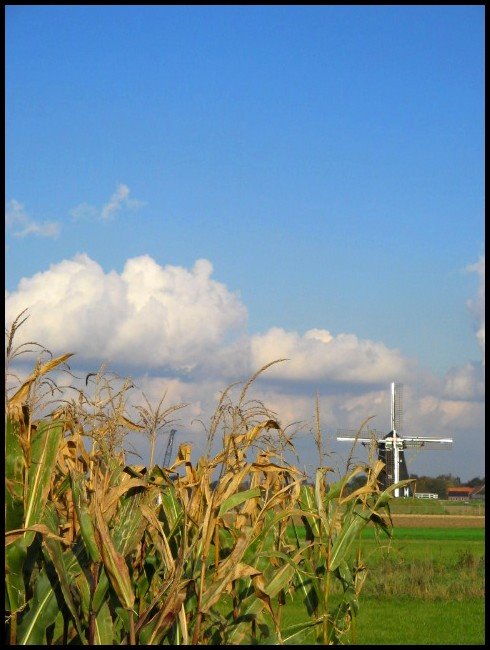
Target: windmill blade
(396,407)
(411,442)
(349,435)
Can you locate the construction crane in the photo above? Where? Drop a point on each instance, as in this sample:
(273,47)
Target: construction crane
(168,451)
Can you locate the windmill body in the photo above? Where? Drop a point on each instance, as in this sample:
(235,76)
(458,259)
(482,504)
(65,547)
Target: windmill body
(391,447)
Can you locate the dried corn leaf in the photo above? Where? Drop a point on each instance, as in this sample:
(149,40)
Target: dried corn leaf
(19,398)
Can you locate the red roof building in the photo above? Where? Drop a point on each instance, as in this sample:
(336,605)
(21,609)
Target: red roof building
(459,493)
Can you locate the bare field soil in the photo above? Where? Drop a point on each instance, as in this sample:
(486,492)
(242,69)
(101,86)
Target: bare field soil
(438,521)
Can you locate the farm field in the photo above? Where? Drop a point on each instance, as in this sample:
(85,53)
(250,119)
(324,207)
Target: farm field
(413,506)
(426,587)
(421,622)
(438,521)
(438,587)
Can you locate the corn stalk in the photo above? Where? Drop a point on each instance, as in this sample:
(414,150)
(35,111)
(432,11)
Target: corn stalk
(209,552)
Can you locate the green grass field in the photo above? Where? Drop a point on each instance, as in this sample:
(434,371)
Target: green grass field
(437,507)
(409,621)
(426,587)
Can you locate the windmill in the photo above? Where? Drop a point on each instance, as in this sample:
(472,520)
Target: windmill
(391,447)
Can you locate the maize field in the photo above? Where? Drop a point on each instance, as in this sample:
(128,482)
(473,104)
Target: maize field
(102,552)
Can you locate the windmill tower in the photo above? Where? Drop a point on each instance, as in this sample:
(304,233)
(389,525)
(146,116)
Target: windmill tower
(391,447)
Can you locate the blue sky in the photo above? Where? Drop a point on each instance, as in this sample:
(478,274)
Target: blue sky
(326,162)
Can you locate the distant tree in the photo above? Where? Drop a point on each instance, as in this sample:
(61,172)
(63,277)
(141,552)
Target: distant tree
(452,481)
(438,485)
(476,482)
(441,483)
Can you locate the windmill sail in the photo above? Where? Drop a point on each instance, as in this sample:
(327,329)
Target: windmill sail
(396,407)
(427,443)
(366,437)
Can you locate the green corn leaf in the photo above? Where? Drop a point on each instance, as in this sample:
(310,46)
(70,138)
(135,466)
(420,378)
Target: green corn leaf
(310,588)
(62,487)
(334,490)
(282,578)
(129,524)
(15,556)
(122,619)
(84,518)
(142,586)
(286,513)
(252,606)
(83,588)
(344,573)
(55,554)
(350,597)
(44,449)
(100,590)
(58,629)
(238,498)
(104,632)
(350,532)
(115,469)
(114,563)
(300,631)
(14,464)
(172,506)
(308,506)
(43,610)
(320,506)
(126,533)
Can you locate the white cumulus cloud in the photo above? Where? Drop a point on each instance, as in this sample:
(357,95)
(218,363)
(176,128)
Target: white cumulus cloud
(317,355)
(148,315)
(465,383)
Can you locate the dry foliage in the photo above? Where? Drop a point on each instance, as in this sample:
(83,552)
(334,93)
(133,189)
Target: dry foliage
(102,552)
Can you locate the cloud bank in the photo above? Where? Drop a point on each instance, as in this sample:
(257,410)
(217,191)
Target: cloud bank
(179,330)
(148,316)
(182,320)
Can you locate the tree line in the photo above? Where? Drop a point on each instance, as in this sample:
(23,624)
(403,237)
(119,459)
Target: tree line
(436,485)
(441,483)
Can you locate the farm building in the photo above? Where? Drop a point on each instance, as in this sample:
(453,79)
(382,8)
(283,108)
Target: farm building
(459,493)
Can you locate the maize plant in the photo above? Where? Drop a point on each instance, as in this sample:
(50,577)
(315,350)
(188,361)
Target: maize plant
(99,552)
